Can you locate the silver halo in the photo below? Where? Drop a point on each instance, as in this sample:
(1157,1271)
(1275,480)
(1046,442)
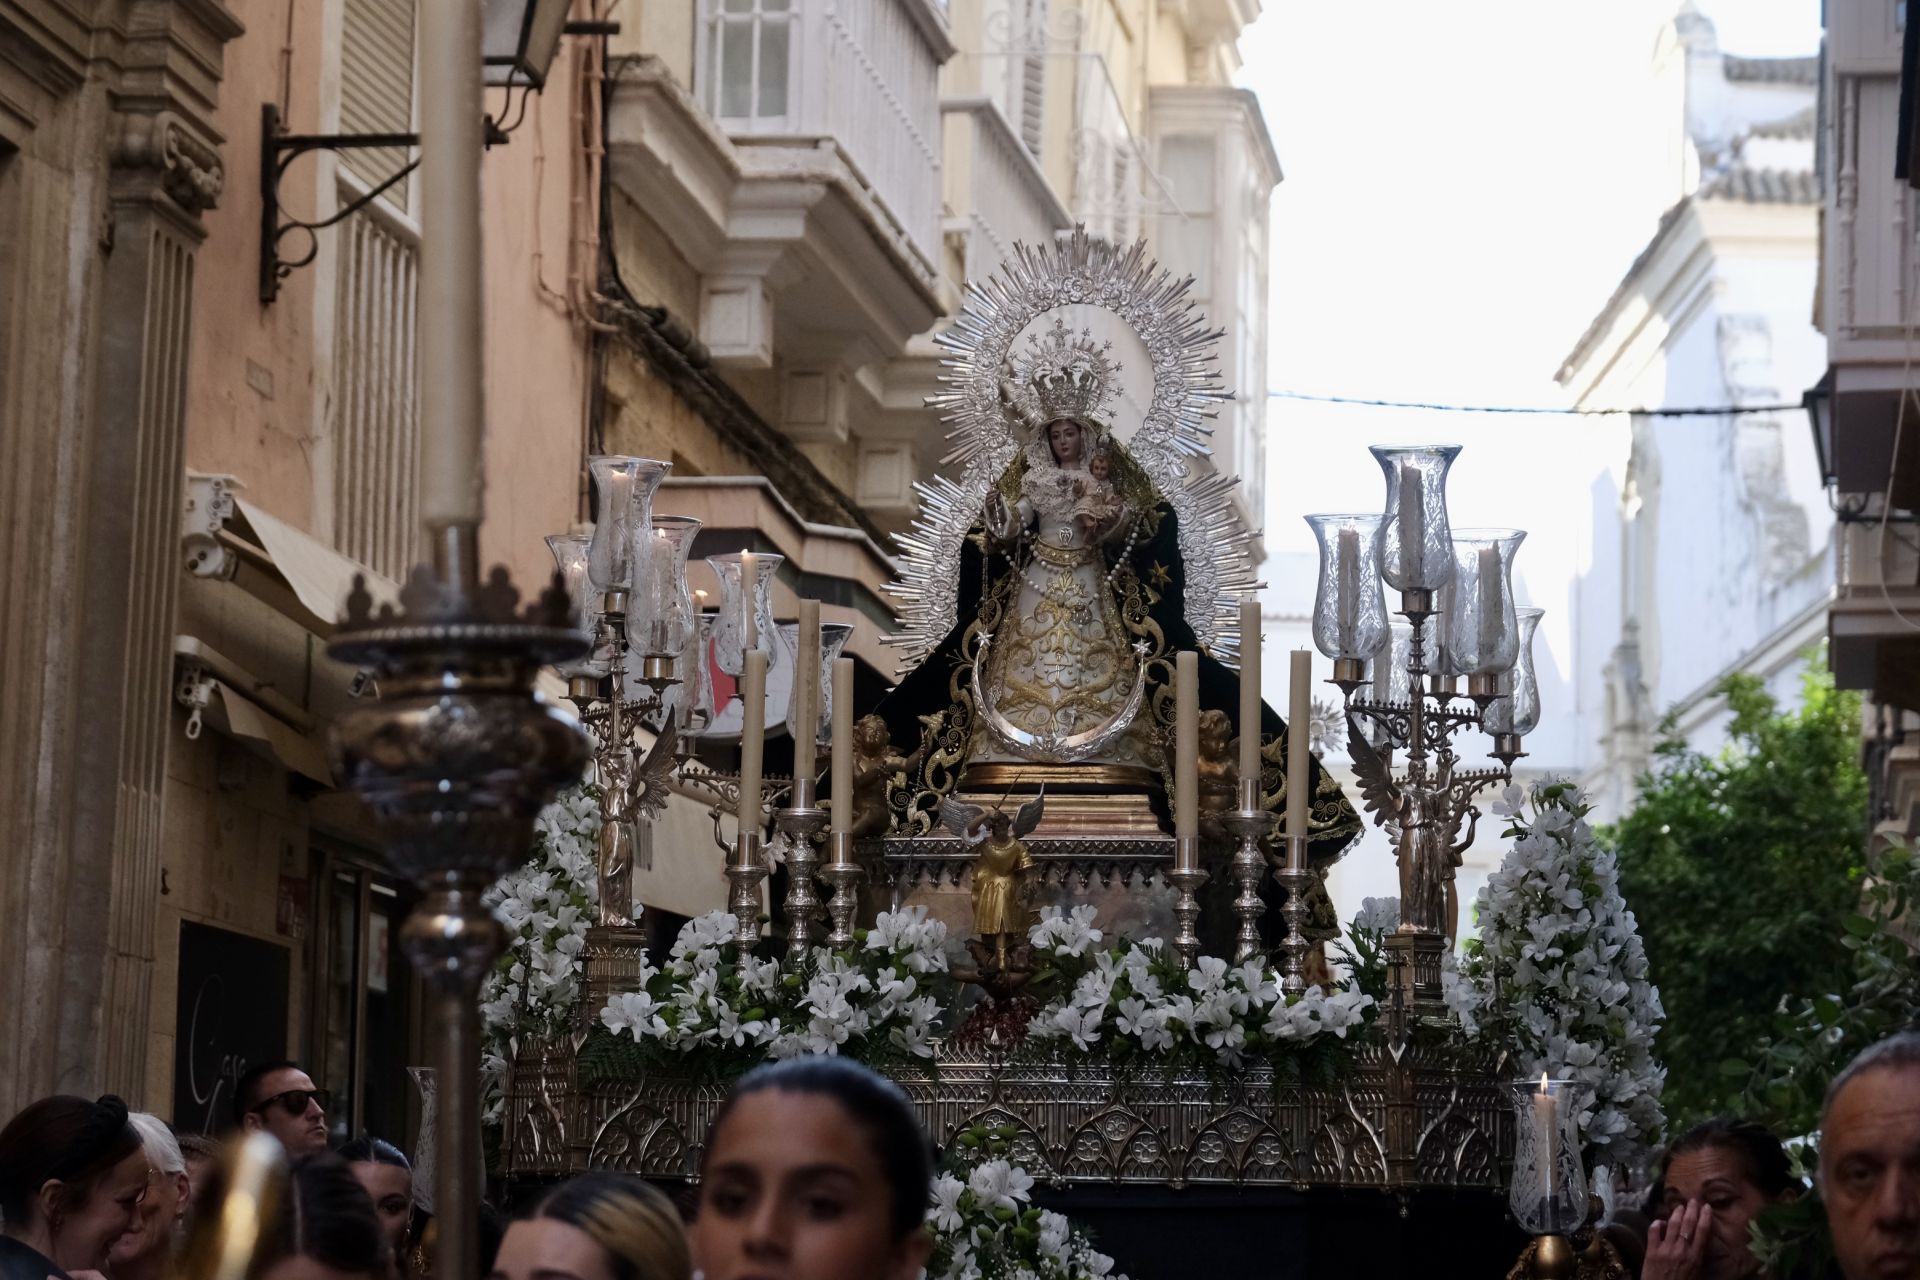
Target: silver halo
(1187,393)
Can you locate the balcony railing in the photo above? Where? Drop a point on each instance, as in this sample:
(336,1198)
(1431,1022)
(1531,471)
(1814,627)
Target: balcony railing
(861,74)
(994,182)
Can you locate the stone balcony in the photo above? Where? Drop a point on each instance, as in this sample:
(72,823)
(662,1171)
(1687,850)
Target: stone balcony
(798,175)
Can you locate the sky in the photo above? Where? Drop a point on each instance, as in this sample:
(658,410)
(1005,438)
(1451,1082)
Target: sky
(1464,184)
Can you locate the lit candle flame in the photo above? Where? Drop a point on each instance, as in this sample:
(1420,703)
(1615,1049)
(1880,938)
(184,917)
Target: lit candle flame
(1543,1082)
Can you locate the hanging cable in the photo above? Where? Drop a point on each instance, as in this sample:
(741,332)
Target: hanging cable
(1691,411)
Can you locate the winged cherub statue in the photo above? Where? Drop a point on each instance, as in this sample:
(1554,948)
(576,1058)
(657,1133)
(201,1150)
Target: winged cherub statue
(628,793)
(1426,863)
(1002,888)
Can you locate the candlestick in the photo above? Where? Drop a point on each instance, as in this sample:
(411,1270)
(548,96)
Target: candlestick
(453,413)
(1250,688)
(1348,610)
(1544,1128)
(806,700)
(1490,599)
(1186,757)
(753,735)
(841,796)
(1299,718)
(1413,526)
(750,619)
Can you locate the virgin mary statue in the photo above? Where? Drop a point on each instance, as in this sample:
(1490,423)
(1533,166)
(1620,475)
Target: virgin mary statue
(1050,587)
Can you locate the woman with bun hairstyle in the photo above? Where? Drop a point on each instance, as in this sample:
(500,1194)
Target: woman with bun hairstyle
(815,1169)
(599,1226)
(72,1179)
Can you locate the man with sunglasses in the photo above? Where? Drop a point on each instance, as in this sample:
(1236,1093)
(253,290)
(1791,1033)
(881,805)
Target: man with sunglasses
(279,1098)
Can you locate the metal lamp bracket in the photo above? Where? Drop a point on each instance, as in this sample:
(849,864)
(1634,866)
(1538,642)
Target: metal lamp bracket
(208,508)
(278,150)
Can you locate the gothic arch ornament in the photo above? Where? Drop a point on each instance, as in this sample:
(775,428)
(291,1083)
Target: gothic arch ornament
(1170,444)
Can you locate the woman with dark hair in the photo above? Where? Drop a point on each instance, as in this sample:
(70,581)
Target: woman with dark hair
(815,1169)
(599,1226)
(386,1173)
(326,1228)
(1717,1178)
(72,1177)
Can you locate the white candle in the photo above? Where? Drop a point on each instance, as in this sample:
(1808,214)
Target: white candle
(1545,1123)
(806,697)
(1186,757)
(1413,525)
(1347,584)
(842,785)
(749,618)
(1490,597)
(453,411)
(753,738)
(1250,688)
(1299,718)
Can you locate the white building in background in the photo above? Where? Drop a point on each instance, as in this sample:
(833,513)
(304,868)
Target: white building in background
(1710,551)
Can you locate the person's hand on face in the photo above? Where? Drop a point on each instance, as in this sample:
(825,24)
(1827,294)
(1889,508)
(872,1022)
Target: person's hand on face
(1677,1246)
(795,1191)
(1870,1175)
(1715,1177)
(292,1110)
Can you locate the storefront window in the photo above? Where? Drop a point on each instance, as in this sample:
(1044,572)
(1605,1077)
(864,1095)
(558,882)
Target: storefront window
(364,1024)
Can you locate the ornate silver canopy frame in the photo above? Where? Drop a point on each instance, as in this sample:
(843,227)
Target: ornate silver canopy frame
(1170,444)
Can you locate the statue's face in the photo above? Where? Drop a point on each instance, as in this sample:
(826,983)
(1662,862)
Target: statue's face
(1064,435)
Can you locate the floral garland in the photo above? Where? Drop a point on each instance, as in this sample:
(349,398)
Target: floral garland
(984,1227)
(875,1000)
(546,905)
(1558,973)
(1143,1002)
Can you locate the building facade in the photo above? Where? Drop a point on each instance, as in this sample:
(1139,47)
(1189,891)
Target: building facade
(725,236)
(1866,418)
(1709,552)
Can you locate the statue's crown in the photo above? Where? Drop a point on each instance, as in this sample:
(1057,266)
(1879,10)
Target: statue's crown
(1068,374)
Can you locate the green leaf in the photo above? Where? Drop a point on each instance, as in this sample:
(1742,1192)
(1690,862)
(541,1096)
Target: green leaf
(1734,1068)
(1859,926)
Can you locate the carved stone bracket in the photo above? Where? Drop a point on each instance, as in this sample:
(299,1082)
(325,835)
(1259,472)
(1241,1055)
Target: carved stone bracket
(186,165)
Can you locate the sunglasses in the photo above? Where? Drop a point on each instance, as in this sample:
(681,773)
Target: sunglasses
(294,1101)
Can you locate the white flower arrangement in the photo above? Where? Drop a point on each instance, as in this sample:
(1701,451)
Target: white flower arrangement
(880,997)
(546,905)
(1559,976)
(985,1228)
(1139,1000)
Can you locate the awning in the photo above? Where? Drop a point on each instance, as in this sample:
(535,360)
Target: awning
(320,577)
(240,718)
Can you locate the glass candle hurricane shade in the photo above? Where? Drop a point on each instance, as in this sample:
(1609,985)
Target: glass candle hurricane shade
(729,627)
(663,619)
(1388,673)
(623,491)
(1349,610)
(570,558)
(1415,550)
(1517,710)
(1548,1194)
(1483,637)
(833,639)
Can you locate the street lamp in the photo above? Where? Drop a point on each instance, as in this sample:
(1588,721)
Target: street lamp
(1818,402)
(519,40)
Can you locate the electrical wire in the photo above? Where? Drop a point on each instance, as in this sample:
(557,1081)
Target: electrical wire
(1689,411)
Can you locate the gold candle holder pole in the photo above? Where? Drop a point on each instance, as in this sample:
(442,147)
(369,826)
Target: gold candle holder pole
(801,823)
(1186,879)
(842,874)
(1296,876)
(745,870)
(1250,825)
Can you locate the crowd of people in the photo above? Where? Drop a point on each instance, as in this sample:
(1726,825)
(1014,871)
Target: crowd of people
(815,1169)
